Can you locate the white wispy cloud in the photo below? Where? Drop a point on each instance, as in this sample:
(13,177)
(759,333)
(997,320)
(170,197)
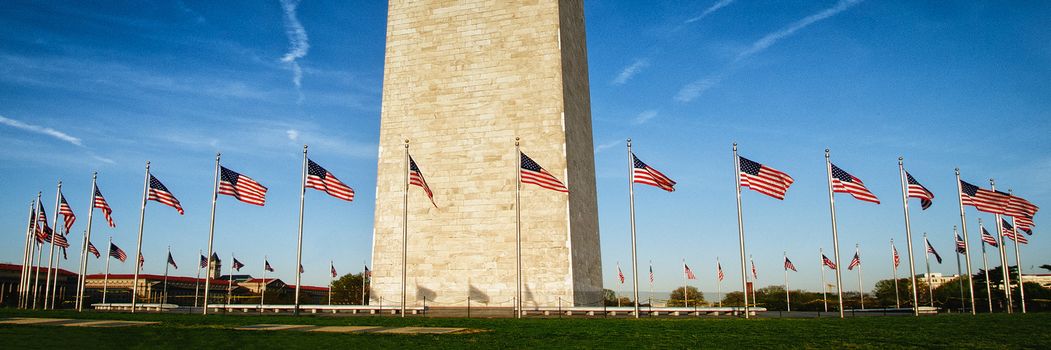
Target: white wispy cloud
(604,146)
(628,72)
(715,7)
(773,38)
(41,130)
(696,88)
(293,134)
(298,43)
(645,116)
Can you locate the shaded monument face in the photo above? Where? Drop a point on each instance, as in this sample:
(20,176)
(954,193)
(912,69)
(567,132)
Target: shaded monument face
(462,79)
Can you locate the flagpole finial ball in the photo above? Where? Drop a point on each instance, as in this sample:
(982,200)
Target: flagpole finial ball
(304,148)
(901,158)
(406,141)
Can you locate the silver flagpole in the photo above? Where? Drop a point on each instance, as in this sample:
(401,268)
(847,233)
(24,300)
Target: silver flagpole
(363,283)
(230,281)
(87,240)
(966,242)
(54,282)
(138,246)
(331,282)
(262,289)
(959,270)
(824,286)
(788,299)
(105,280)
(23,285)
(927,257)
(631,205)
(1003,258)
(719,282)
(985,268)
(405,232)
(197,281)
(861,288)
(754,278)
(897,301)
(685,293)
(51,254)
(650,299)
(39,251)
(211,238)
(908,236)
(1018,261)
(299,249)
(835,235)
(166,263)
(740,229)
(518,234)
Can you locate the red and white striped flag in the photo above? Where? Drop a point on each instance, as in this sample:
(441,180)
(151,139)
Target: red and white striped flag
(930,249)
(332,269)
(1009,232)
(232,183)
(416,179)
(646,175)
(61,241)
(719,271)
(118,253)
(843,182)
(755,274)
(961,246)
(237,265)
(93,250)
(916,190)
(689,273)
(100,203)
(855,262)
(620,274)
(764,179)
(1019,207)
(43,231)
(982,199)
(789,265)
(322,180)
(67,212)
(989,239)
(828,262)
(897,258)
(1025,223)
(171,261)
(533,173)
(158,192)
(141,260)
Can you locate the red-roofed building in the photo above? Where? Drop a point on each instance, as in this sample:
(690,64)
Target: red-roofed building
(181,290)
(10,276)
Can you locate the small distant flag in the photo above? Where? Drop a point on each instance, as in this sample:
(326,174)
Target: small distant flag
(158,192)
(237,265)
(1009,232)
(204,261)
(320,179)
(897,258)
(301,269)
(855,262)
(368,273)
(620,274)
(1025,223)
(64,257)
(961,246)
(171,261)
(1009,228)
(67,212)
(1018,207)
(647,175)
(141,260)
(332,269)
(689,273)
(651,273)
(828,262)
(755,274)
(60,241)
(789,265)
(982,199)
(93,250)
(267,267)
(930,249)
(764,179)
(916,190)
(416,178)
(43,231)
(843,182)
(116,252)
(533,173)
(242,187)
(100,203)
(719,271)
(989,239)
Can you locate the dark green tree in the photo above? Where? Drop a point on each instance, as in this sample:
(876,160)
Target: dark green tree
(347,290)
(695,297)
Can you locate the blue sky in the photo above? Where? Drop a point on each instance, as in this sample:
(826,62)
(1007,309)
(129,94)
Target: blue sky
(106,87)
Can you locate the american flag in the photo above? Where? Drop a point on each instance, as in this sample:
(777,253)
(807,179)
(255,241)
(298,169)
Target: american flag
(916,190)
(961,246)
(237,265)
(789,265)
(843,182)
(1019,207)
(241,187)
(828,262)
(141,260)
(689,273)
(367,273)
(64,257)
(755,274)
(646,175)
(267,267)
(855,262)
(930,249)
(719,271)
(532,173)
(989,239)
(158,192)
(100,203)
(651,273)
(1025,223)
(1009,232)
(620,274)
(60,241)
(897,258)
(171,261)
(116,252)
(764,179)
(67,212)
(301,269)
(332,269)
(982,199)
(43,231)
(93,250)
(416,178)
(322,180)
(204,261)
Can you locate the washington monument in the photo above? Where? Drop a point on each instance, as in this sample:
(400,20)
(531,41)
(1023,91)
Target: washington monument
(463,79)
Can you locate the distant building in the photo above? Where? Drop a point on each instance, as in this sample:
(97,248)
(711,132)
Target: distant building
(9,278)
(937,279)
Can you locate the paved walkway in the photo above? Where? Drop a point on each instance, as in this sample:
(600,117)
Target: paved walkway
(354,329)
(73,323)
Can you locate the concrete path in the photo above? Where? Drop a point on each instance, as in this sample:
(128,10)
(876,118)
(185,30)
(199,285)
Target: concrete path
(73,323)
(353,329)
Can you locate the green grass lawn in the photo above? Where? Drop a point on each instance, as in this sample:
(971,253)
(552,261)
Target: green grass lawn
(214,331)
